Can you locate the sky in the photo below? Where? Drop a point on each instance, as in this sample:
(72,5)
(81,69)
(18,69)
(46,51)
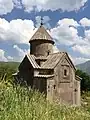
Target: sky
(67,21)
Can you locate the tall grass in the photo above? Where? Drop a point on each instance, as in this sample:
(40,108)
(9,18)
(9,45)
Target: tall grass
(19,103)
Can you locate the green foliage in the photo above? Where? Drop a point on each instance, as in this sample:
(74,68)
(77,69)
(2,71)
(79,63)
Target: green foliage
(19,103)
(85,82)
(7,69)
(85,67)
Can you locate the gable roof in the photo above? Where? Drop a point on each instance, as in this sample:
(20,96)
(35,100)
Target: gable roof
(78,78)
(31,58)
(41,34)
(52,60)
(70,61)
(50,63)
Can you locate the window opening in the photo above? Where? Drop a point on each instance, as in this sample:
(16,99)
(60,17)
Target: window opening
(54,86)
(48,52)
(65,72)
(48,86)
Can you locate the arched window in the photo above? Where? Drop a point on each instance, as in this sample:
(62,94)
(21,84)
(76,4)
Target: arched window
(48,52)
(54,86)
(65,72)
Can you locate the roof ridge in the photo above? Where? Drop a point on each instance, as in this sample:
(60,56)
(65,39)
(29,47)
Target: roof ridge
(57,53)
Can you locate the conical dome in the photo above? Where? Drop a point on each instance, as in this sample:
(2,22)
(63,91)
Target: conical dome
(41,43)
(41,34)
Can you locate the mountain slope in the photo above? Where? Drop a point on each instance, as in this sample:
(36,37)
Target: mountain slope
(85,67)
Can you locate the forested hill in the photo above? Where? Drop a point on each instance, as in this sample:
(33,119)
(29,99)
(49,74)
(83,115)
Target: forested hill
(85,67)
(8,68)
(12,64)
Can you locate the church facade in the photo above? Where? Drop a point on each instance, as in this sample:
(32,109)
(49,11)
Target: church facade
(50,73)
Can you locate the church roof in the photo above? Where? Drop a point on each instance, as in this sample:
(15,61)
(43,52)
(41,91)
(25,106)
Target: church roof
(52,60)
(31,58)
(50,63)
(41,34)
(78,78)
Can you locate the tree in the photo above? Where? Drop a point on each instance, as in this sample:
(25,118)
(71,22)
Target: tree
(85,82)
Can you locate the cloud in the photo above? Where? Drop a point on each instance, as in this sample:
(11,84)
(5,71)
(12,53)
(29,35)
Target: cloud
(16,31)
(87,35)
(17,3)
(6,6)
(5,58)
(10,58)
(79,60)
(2,56)
(44,5)
(55,49)
(85,22)
(68,22)
(66,32)
(84,49)
(20,53)
(45,21)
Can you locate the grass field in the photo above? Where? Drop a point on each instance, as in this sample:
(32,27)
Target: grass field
(19,103)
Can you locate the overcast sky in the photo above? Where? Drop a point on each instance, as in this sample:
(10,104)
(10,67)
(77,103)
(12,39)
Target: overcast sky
(68,22)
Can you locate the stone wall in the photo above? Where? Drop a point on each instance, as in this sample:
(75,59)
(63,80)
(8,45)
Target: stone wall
(41,48)
(64,81)
(40,84)
(26,72)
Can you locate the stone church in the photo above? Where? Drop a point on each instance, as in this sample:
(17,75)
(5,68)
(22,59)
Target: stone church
(50,73)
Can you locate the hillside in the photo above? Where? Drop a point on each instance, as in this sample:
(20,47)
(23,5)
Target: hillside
(85,67)
(7,69)
(10,64)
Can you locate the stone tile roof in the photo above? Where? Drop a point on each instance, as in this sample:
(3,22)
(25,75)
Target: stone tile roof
(78,78)
(52,60)
(50,63)
(41,58)
(31,58)
(41,34)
